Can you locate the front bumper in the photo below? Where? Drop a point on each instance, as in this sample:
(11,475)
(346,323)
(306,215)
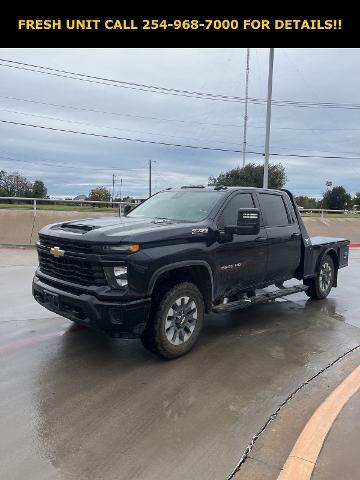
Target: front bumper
(126,319)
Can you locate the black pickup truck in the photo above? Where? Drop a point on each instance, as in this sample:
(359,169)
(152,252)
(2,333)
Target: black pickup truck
(156,271)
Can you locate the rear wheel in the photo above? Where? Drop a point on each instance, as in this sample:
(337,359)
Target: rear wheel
(322,283)
(176,322)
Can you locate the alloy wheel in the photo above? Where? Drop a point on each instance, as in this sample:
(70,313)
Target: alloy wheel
(181,320)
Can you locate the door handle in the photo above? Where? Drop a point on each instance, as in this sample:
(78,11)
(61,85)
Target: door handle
(295,235)
(260,239)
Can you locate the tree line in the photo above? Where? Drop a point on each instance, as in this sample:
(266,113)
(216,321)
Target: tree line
(336,198)
(16,185)
(103,194)
(13,184)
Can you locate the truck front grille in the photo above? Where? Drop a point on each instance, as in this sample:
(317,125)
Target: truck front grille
(71,269)
(68,245)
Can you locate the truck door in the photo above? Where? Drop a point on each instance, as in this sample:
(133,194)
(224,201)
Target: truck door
(283,234)
(240,259)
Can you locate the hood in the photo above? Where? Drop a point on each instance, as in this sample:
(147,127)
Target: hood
(114,229)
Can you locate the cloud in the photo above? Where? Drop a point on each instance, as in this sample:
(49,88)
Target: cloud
(71,164)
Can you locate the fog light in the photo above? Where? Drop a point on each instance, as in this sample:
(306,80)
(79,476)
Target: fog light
(120,274)
(116,316)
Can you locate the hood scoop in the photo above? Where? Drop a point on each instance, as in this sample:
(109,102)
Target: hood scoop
(77,228)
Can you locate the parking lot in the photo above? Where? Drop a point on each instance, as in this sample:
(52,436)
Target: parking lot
(76,405)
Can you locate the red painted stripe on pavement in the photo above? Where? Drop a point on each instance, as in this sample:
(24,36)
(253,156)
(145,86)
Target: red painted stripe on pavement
(12,347)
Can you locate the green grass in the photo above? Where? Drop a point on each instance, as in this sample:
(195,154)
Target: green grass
(331,215)
(64,208)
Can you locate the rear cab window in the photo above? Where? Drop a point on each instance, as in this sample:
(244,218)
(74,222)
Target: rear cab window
(273,208)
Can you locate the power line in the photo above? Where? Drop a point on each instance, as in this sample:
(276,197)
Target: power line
(195,147)
(128,139)
(144,117)
(147,132)
(167,90)
(162,119)
(40,163)
(120,84)
(58,119)
(70,166)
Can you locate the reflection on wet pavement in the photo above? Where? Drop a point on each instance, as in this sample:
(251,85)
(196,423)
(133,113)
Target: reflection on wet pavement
(78,406)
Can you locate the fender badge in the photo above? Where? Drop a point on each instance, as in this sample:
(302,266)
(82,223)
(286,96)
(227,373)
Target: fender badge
(199,231)
(231,266)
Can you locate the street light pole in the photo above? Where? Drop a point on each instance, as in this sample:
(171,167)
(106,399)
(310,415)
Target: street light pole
(149,178)
(246,103)
(268,119)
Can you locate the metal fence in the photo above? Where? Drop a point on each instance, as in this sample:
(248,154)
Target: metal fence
(324,211)
(121,205)
(35,202)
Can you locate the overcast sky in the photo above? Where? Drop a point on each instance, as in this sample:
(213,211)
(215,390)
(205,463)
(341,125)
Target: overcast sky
(72,164)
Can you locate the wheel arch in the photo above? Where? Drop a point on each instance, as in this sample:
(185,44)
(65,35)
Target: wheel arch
(198,272)
(334,257)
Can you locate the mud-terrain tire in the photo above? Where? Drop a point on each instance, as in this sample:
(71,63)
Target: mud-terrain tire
(321,285)
(176,322)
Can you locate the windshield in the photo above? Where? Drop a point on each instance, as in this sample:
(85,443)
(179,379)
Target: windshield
(187,206)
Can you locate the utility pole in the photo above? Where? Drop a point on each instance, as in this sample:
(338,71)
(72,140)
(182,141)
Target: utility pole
(150,162)
(150,172)
(149,178)
(113,187)
(246,103)
(268,119)
(120,197)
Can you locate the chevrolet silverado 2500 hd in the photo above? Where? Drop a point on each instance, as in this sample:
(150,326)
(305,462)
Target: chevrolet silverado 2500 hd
(184,252)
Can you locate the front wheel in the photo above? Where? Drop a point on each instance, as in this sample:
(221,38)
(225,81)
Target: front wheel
(322,283)
(176,323)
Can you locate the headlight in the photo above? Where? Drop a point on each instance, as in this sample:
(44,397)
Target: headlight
(120,274)
(133,248)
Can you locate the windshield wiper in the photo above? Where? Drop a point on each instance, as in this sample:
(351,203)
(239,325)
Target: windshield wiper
(164,219)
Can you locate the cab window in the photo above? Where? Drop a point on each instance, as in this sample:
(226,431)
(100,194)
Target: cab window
(230,213)
(274,210)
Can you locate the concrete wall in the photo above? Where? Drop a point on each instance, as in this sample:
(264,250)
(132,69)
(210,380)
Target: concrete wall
(20,227)
(334,227)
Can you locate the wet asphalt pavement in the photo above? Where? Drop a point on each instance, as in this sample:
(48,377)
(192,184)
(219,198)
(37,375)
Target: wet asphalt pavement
(76,405)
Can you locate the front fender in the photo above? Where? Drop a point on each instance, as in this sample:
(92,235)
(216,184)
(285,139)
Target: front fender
(173,266)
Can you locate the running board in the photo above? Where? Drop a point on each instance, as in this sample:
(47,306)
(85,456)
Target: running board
(265,297)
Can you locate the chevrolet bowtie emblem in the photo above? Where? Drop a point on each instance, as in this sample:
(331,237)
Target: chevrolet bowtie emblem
(57,252)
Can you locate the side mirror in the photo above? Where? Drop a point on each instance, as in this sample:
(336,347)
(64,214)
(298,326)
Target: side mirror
(248,222)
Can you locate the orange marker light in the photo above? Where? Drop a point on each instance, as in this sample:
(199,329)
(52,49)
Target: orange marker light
(134,248)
